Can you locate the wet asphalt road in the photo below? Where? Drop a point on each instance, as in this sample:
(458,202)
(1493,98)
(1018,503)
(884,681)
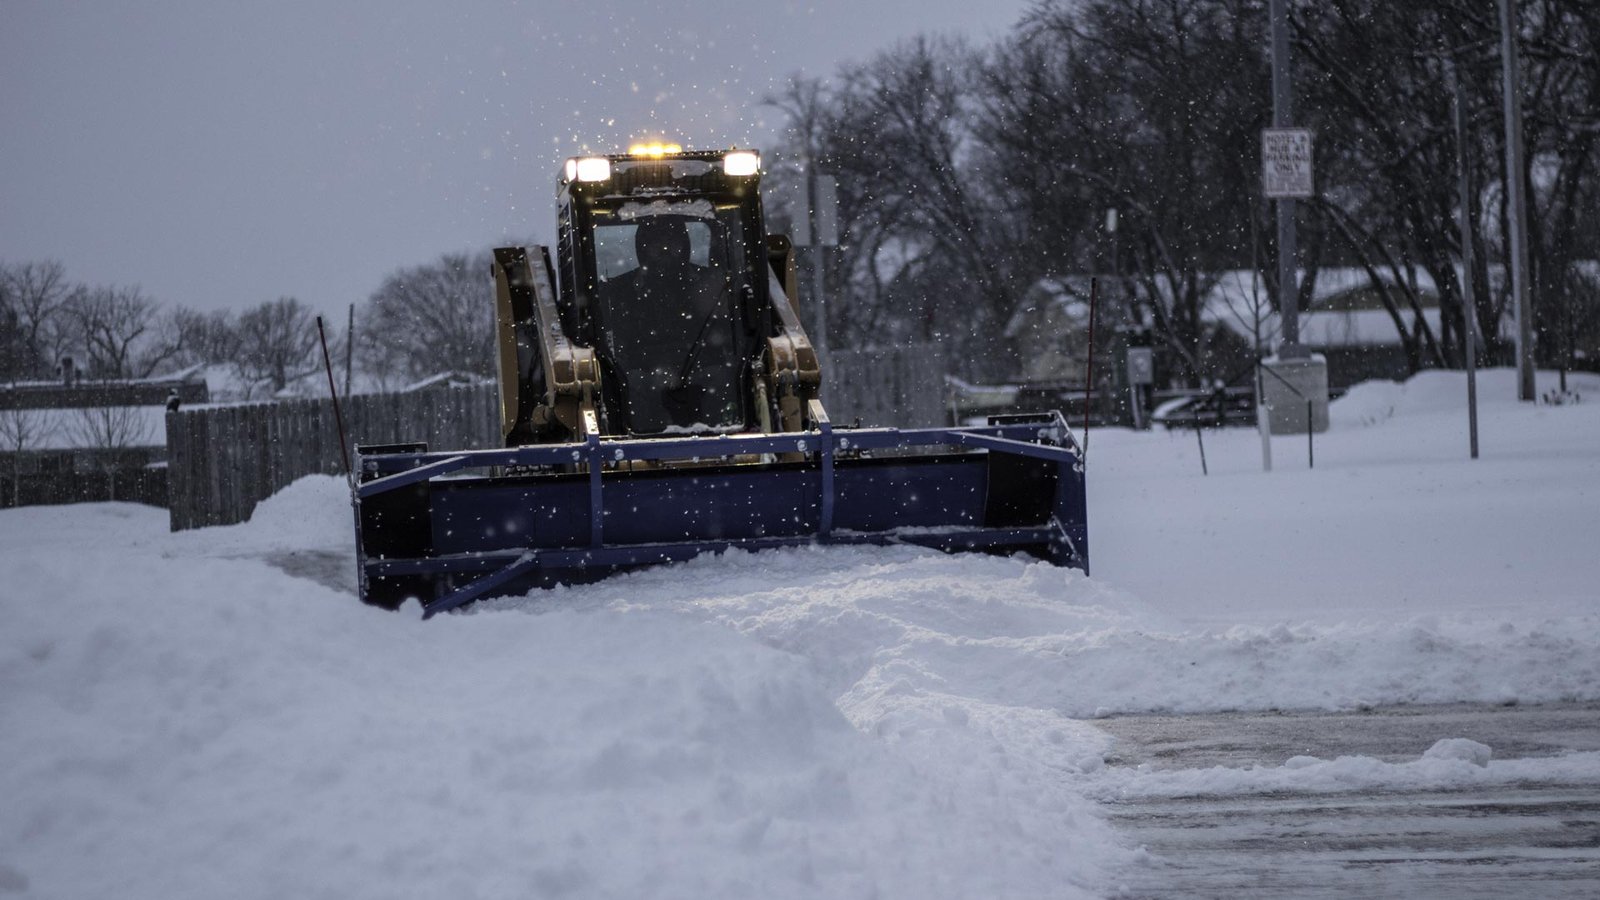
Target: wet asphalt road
(1521,840)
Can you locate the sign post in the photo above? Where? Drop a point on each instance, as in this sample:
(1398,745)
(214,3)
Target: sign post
(1286,176)
(1141,372)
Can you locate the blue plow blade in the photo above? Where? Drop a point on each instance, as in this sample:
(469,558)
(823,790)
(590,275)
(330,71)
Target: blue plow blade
(451,528)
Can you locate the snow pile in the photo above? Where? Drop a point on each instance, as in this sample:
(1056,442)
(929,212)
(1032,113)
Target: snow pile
(916,647)
(1367,403)
(312,513)
(179,723)
(901,635)
(1460,748)
(1436,391)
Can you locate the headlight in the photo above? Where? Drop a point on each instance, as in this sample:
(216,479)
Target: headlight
(741,162)
(589,168)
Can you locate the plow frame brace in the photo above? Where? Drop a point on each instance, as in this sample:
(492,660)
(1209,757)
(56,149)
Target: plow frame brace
(532,342)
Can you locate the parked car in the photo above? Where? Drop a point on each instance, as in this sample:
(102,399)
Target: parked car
(1206,408)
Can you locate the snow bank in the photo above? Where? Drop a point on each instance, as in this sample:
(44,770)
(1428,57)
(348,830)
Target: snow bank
(180,724)
(1367,403)
(1437,391)
(1460,748)
(312,513)
(1394,523)
(900,636)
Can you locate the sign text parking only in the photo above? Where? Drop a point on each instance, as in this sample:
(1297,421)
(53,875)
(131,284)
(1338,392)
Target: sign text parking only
(1286,162)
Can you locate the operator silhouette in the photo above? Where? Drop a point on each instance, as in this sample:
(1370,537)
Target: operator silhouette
(666,315)
(667,272)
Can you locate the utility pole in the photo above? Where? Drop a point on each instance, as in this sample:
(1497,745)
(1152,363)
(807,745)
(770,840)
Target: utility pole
(1282,117)
(1511,87)
(1469,340)
(1297,395)
(816,226)
(819,294)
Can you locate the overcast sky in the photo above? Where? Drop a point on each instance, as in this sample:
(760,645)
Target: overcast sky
(221,154)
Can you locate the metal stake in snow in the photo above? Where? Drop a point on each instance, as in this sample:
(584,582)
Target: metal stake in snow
(1263,427)
(344,447)
(1088,373)
(349,349)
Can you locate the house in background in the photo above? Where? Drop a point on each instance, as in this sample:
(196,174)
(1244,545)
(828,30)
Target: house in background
(1051,332)
(1050,329)
(75,440)
(1346,321)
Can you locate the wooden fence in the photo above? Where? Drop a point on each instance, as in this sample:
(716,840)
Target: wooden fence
(147,485)
(223,460)
(900,386)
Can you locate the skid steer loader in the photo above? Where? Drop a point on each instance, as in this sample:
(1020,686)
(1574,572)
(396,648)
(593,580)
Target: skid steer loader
(660,400)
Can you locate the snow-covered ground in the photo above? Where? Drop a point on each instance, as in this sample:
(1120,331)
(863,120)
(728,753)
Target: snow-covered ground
(179,717)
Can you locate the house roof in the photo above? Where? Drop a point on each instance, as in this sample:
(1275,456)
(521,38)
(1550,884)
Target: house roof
(1237,297)
(444,379)
(56,394)
(1067,295)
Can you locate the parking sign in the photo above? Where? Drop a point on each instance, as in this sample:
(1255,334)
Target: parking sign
(1286,162)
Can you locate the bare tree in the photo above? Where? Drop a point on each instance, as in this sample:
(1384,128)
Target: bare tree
(11,353)
(277,343)
(1148,107)
(879,251)
(22,430)
(926,253)
(205,338)
(1378,81)
(32,295)
(110,432)
(428,319)
(124,331)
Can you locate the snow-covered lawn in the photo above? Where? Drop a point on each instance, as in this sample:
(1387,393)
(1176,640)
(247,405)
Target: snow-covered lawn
(180,718)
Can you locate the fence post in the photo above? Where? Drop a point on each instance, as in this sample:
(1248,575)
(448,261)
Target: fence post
(1311,441)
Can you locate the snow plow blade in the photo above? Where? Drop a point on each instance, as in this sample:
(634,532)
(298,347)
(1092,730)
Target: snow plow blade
(540,515)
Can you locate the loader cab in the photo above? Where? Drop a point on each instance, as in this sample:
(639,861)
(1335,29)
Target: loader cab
(663,271)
